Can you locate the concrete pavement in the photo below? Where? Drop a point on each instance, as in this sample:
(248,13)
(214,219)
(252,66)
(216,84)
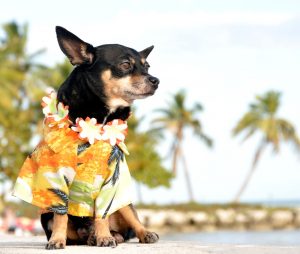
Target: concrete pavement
(36,245)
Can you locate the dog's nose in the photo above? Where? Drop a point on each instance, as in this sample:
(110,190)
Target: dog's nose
(154,81)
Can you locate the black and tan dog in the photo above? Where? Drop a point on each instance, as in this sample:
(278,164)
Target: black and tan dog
(103,85)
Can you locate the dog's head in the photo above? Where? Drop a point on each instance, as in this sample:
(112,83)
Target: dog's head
(115,72)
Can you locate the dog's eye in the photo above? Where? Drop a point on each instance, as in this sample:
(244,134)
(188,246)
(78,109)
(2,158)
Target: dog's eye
(125,65)
(146,65)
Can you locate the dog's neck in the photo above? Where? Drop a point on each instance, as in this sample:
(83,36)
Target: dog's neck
(114,104)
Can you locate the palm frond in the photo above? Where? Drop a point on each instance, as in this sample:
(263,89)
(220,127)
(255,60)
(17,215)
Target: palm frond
(61,194)
(165,112)
(197,108)
(249,120)
(179,99)
(207,140)
(197,128)
(59,209)
(108,207)
(267,103)
(116,155)
(67,181)
(36,53)
(286,129)
(162,120)
(156,132)
(288,132)
(83,147)
(116,174)
(249,134)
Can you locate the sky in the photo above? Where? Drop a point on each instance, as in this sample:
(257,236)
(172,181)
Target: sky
(222,52)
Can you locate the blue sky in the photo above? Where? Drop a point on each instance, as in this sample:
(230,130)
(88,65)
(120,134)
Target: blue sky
(222,52)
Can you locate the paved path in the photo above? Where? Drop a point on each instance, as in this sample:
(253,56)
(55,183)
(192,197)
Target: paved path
(36,245)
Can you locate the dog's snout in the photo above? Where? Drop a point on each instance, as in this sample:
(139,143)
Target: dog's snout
(154,81)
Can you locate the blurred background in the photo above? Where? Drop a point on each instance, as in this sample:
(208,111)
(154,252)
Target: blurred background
(219,148)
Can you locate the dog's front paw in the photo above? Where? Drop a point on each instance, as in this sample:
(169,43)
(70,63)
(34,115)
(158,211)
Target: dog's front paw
(149,237)
(59,243)
(107,241)
(118,237)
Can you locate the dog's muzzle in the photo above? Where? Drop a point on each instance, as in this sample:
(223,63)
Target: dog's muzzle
(153,81)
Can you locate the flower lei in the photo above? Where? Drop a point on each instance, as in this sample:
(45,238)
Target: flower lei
(113,132)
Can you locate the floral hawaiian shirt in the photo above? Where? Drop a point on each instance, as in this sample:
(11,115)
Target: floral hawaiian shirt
(79,169)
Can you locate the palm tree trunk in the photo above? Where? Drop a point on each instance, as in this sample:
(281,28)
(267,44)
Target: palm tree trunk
(175,158)
(250,174)
(177,145)
(1,202)
(187,176)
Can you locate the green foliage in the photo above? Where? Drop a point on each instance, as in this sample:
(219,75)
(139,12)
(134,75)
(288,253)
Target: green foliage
(16,112)
(56,75)
(144,162)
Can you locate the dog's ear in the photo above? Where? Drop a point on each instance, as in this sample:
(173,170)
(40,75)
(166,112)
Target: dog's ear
(145,53)
(78,51)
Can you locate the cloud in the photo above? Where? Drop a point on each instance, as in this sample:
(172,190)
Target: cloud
(201,30)
(180,30)
(203,18)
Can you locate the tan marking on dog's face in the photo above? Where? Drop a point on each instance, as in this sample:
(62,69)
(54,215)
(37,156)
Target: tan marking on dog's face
(143,61)
(121,92)
(132,60)
(112,91)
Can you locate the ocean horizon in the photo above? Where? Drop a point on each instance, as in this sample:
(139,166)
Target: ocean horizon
(284,203)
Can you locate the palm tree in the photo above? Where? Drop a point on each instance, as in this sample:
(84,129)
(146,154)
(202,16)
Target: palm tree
(176,117)
(262,118)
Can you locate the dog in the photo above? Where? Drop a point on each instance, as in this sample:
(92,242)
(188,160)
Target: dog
(102,86)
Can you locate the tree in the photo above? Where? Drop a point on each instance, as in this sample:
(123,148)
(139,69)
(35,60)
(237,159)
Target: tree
(144,162)
(15,105)
(176,117)
(23,82)
(56,75)
(262,118)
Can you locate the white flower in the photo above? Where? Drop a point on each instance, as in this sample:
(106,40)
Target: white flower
(52,110)
(49,104)
(88,129)
(62,112)
(114,131)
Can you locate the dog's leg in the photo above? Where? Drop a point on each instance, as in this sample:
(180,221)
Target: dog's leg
(59,232)
(101,236)
(130,216)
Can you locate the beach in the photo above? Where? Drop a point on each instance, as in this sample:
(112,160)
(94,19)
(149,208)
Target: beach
(10,244)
